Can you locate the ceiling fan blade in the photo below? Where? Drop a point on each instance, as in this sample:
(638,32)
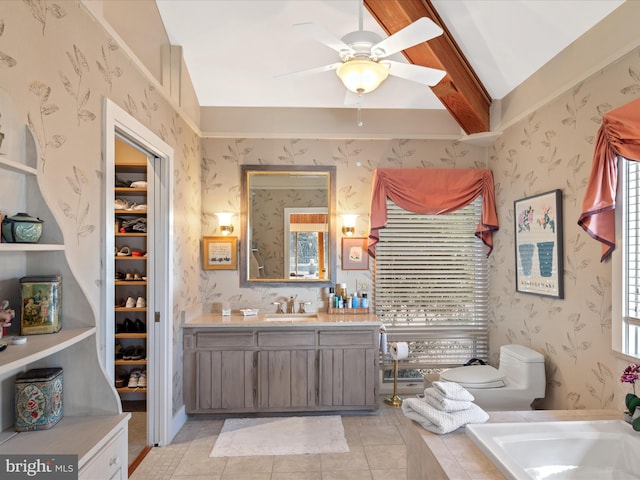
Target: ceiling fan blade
(419,31)
(309,71)
(318,33)
(415,73)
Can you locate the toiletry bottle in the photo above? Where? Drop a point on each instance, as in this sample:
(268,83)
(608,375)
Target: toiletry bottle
(355,301)
(365,301)
(332,296)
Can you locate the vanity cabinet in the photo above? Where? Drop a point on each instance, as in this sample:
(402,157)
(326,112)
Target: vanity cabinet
(287,370)
(347,369)
(279,369)
(219,371)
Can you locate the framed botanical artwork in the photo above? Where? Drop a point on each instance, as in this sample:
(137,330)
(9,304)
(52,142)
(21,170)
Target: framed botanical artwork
(354,253)
(220,253)
(538,244)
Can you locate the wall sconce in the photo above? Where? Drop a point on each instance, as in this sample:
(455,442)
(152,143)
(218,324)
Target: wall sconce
(349,225)
(224,222)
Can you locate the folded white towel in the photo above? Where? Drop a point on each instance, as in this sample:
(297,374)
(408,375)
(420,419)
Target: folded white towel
(454,391)
(434,397)
(440,422)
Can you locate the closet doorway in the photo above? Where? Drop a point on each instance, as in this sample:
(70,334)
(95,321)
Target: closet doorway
(136,333)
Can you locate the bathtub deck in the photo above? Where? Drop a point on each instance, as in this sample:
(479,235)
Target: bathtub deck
(454,456)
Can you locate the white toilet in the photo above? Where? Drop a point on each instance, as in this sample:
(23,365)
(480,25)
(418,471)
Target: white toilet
(518,381)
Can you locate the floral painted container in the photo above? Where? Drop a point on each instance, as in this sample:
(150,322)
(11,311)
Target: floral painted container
(38,399)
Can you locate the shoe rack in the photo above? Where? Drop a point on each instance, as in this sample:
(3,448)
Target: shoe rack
(130,282)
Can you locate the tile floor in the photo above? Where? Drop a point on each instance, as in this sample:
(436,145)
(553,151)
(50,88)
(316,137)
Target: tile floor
(377,451)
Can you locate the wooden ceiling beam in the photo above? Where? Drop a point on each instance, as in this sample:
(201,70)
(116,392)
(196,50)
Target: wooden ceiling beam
(460,91)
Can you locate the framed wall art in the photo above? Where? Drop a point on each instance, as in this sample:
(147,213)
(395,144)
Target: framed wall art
(354,253)
(220,253)
(538,244)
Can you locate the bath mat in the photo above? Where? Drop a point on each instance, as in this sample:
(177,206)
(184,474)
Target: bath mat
(242,437)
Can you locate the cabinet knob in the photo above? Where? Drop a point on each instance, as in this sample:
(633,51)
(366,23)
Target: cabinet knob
(114,461)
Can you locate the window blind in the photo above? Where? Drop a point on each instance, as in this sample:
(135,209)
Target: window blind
(431,285)
(631,246)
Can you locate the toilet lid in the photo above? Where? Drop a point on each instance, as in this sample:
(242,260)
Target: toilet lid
(475,376)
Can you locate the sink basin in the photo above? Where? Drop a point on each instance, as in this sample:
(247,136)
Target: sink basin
(602,449)
(291,317)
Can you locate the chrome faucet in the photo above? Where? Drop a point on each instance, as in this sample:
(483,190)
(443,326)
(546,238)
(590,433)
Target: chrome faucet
(291,305)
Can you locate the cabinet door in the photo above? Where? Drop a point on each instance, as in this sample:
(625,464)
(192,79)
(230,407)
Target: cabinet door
(347,377)
(224,379)
(286,378)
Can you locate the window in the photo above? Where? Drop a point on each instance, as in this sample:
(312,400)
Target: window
(626,261)
(306,242)
(431,286)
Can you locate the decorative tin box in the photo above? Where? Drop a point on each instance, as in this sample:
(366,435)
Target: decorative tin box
(41,304)
(38,399)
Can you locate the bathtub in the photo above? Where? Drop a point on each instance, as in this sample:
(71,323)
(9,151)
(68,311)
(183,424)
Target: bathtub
(580,450)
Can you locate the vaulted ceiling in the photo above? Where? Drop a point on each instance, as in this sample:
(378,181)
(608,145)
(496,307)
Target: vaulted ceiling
(235,49)
(460,91)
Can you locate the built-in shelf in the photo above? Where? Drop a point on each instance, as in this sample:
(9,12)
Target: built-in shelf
(15,166)
(132,390)
(131,335)
(129,282)
(133,257)
(142,361)
(131,234)
(134,309)
(41,346)
(77,435)
(31,247)
(131,212)
(130,191)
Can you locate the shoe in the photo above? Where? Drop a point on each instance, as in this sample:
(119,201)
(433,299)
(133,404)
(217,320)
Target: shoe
(119,276)
(137,277)
(140,303)
(121,204)
(131,303)
(122,303)
(128,326)
(121,183)
(142,380)
(138,253)
(139,353)
(122,379)
(139,184)
(124,252)
(128,352)
(118,351)
(133,379)
(137,206)
(139,326)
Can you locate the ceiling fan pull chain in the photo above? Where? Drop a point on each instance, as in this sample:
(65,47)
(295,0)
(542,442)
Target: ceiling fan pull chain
(359,104)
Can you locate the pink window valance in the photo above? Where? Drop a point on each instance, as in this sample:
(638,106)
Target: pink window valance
(619,134)
(434,192)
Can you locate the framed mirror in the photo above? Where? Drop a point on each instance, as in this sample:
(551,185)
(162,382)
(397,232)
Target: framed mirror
(288,225)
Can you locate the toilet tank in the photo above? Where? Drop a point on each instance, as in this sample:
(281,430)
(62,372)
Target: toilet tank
(523,367)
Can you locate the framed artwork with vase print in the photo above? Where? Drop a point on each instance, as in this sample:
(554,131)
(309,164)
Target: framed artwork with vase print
(538,244)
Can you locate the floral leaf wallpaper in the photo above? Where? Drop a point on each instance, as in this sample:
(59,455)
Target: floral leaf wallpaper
(58,80)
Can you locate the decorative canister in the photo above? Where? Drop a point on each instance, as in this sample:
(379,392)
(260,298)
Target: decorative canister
(38,399)
(21,228)
(41,304)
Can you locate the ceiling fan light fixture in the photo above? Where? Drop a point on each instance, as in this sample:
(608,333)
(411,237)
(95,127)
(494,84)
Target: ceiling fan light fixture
(362,75)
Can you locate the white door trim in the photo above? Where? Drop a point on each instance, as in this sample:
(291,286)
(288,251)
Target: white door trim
(160,391)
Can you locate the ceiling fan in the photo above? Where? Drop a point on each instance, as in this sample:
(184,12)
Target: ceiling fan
(363,65)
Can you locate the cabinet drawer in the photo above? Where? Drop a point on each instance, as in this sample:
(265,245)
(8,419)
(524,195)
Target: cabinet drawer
(224,340)
(338,338)
(110,462)
(286,339)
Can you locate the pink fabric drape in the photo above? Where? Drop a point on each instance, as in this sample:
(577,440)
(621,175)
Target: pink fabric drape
(432,191)
(619,134)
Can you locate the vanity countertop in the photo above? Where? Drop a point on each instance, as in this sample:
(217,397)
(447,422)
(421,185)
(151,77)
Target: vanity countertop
(315,319)
(454,456)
